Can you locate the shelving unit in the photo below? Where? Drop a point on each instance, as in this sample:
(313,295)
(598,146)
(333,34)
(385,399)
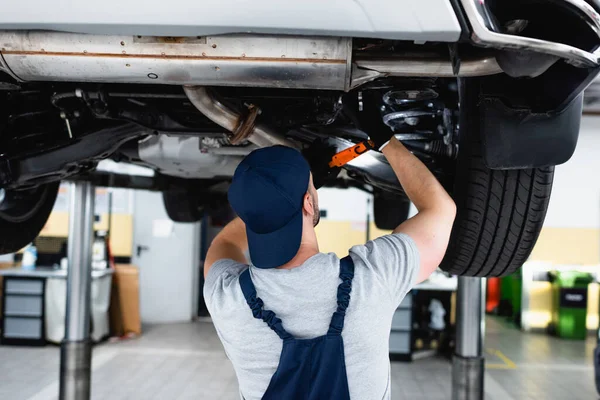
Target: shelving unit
(403,334)
(23,311)
(400,336)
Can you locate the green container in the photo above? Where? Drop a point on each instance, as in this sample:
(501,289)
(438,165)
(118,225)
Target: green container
(510,295)
(569,300)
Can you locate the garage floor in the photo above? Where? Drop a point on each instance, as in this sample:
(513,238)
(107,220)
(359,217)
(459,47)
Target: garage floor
(186,361)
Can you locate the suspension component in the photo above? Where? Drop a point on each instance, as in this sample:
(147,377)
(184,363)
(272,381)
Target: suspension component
(436,148)
(412,111)
(419,118)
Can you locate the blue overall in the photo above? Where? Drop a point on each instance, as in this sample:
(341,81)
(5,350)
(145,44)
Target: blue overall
(309,369)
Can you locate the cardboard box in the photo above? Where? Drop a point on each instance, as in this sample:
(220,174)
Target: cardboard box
(125,301)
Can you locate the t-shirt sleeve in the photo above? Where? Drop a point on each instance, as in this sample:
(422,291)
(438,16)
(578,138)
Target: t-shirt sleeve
(221,276)
(395,260)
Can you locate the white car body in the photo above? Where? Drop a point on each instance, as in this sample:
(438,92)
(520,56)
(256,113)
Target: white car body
(263,43)
(417,20)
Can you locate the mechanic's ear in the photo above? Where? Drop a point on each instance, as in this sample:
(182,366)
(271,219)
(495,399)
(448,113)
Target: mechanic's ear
(307,204)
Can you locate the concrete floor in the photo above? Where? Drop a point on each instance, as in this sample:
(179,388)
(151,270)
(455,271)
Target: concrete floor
(186,361)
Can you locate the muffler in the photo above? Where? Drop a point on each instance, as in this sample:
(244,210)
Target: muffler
(229,60)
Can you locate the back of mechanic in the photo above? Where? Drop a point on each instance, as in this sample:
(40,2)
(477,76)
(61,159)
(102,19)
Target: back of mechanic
(301,324)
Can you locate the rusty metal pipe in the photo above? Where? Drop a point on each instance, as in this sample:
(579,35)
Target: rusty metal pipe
(221,115)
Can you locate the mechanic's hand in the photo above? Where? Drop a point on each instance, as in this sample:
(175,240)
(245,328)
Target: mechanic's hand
(381,137)
(318,155)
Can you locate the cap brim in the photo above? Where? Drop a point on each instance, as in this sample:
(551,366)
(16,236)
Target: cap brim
(273,249)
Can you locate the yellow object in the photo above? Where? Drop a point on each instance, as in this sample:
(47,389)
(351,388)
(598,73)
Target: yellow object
(506,363)
(563,246)
(568,246)
(339,236)
(540,305)
(121,236)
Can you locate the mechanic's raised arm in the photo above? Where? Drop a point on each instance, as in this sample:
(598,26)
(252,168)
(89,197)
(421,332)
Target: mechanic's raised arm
(431,227)
(231,243)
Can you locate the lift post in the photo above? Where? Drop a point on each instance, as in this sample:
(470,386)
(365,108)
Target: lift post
(468,366)
(76,348)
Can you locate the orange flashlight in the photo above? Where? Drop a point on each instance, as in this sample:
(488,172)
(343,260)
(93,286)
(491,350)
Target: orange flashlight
(345,156)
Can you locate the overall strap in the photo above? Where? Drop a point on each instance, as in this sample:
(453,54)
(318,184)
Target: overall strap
(256,305)
(343,296)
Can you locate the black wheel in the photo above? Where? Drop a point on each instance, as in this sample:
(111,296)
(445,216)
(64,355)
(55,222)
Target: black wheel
(183,206)
(499,212)
(23,214)
(389,209)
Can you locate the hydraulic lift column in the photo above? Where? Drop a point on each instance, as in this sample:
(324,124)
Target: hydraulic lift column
(76,348)
(468,361)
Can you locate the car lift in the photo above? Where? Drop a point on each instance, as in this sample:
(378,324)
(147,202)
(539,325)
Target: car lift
(468,365)
(76,348)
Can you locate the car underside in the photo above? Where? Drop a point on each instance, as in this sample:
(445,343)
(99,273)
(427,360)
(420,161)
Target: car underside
(490,112)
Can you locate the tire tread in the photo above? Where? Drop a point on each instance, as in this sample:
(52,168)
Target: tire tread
(499,212)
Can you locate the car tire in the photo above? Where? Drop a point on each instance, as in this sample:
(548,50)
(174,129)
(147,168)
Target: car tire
(499,212)
(389,209)
(23,214)
(183,206)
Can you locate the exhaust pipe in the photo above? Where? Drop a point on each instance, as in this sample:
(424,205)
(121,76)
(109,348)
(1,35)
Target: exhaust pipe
(293,62)
(242,128)
(432,66)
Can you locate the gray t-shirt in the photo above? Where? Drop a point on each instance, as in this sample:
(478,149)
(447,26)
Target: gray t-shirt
(305,299)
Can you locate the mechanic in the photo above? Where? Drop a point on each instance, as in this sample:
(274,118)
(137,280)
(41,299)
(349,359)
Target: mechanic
(300,324)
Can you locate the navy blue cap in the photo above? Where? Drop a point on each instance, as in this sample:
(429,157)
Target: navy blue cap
(267,193)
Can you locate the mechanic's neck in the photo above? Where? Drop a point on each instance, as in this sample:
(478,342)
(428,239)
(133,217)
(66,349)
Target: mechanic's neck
(308,246)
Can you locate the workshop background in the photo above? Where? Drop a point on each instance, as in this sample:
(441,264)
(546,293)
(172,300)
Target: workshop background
(155,340)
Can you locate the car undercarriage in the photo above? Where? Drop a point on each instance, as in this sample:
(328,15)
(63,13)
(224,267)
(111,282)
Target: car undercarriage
(489,113)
